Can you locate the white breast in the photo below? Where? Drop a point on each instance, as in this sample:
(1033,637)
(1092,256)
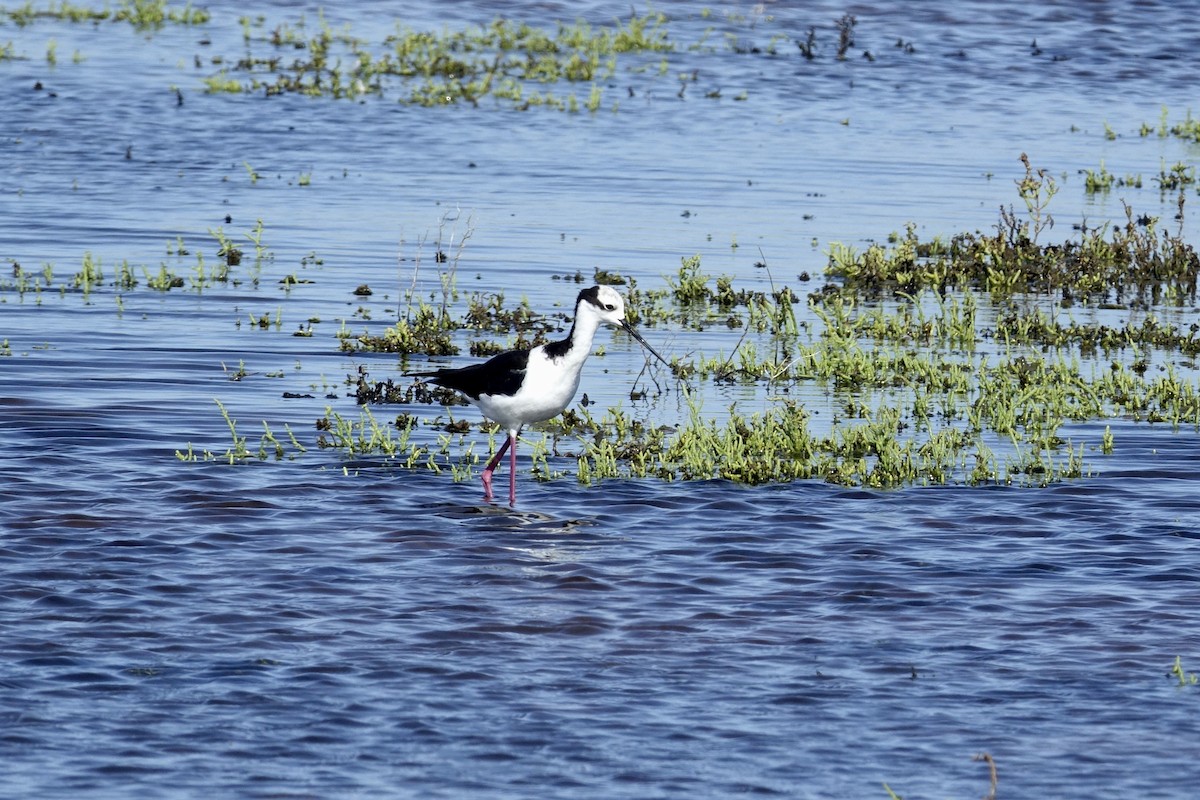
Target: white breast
(548,388)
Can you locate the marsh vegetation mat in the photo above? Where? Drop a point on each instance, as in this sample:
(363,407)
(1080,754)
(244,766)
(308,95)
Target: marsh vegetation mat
(918,484)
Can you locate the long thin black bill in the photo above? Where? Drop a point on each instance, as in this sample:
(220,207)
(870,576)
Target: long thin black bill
(633,332)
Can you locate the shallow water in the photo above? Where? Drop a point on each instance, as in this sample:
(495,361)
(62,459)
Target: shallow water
(316,627)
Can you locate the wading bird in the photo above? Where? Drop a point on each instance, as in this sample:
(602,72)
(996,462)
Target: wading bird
(520,387)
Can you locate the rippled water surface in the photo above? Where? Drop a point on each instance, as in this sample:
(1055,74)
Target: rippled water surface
(323,627)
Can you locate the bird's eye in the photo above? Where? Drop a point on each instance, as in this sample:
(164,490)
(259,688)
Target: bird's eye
(609,307)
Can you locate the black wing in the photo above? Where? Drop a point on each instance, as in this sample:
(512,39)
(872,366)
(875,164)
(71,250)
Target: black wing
(500,374)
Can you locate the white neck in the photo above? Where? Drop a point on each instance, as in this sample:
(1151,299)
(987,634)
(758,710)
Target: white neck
(583,332)
(574,350)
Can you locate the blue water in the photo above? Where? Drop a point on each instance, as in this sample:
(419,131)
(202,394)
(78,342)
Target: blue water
(317,627)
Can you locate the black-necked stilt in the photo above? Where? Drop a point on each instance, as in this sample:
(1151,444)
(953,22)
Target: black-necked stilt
(520,387)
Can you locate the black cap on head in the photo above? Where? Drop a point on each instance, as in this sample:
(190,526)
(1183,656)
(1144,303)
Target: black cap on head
(591,295)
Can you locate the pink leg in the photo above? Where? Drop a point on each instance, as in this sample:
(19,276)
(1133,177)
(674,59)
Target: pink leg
(491,467)
(512,474)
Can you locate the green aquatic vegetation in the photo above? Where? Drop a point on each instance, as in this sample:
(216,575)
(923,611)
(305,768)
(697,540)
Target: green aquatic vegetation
(691,301)
(222,83)
(906,265)
(269,445)
(264,321)
(226,249)
(261,253)
(1185,678)
(1101,181)
(203,278)
(923,359)
(125,278)
(507,62)
(501,60)
(1036,190)
(141,14)
(152,14)
(1187,129)
(256,238)
(1112,264)
(238,374)
(486,312)
(290,280)
(27,14)
(426,331)
(1098,181)
(368,392)
(89,275)
(1038,327)
(595,96)
(238,451)
(1163,398)
(690,284)
(1147,129)
(1176,176)
(772,446)
(778,445)
(923,319)
(1026,393)
(164,280)
(25,281)
(367,436)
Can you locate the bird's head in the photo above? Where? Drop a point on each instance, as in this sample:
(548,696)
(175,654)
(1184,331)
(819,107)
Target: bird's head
(607,305)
